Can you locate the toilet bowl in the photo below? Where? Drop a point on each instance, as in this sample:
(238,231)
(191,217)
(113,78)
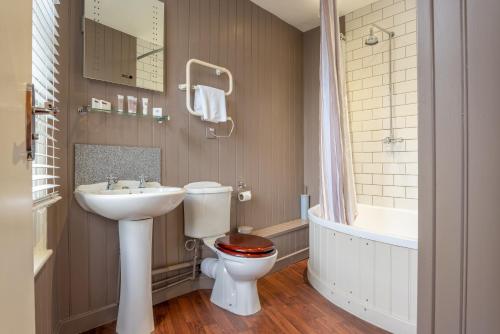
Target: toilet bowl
(241,258)
(236,276)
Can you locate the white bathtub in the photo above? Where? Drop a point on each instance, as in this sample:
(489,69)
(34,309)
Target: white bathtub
(369,268)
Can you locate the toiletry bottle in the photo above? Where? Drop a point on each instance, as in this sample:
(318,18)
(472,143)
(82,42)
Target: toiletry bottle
(145,105)
(132,104)
(120,104)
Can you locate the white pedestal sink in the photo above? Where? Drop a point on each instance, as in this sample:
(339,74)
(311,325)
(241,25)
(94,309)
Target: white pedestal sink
(134,208)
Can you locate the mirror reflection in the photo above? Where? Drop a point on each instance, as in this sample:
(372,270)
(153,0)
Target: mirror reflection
(124,42)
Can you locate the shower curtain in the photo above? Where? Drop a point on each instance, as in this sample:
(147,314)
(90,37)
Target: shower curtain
(337,190)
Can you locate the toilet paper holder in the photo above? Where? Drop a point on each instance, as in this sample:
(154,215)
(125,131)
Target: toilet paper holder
(242,186)
(244,192)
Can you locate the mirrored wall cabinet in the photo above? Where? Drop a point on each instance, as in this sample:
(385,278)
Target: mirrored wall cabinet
(124,42)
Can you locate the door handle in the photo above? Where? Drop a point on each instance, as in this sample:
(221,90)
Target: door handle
(30,146)
(31,112)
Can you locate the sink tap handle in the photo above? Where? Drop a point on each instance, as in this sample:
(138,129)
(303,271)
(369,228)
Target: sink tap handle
(111,180)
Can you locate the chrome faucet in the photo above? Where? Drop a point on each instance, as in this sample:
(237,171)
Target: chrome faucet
(142,181)
(111,180)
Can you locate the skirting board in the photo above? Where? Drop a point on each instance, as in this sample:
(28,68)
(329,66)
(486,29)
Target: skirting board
(109,313)
(287,260)
(88,321)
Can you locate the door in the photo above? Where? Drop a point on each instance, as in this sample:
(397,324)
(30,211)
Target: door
(459,136)
(17,314)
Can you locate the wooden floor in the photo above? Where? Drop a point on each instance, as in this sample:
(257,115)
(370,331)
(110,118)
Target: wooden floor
(289,305)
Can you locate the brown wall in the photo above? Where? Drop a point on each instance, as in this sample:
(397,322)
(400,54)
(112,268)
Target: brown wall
(311,112)
(266,150)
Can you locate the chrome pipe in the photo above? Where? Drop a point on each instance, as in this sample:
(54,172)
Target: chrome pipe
(195,259)
(173,284)
(165,280)
(147,54)
(174,267)
(390,87)
(190,264)
(391,139)
(390,33)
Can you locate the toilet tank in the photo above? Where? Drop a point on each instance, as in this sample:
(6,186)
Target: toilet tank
(207,207)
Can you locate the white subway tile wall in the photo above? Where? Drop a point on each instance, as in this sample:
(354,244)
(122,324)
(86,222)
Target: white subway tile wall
(386,175)
(150,68)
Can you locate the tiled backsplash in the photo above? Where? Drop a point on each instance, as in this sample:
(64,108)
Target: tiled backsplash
(93,163)
(386,174)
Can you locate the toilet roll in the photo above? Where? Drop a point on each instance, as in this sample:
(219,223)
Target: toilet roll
(245,196)
(245,229)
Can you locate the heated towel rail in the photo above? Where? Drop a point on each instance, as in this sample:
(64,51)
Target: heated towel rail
(219,70)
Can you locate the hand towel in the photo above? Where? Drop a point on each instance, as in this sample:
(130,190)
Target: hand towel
(210,103)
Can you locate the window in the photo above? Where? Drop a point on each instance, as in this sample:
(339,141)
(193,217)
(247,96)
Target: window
(45,160)
(44,78)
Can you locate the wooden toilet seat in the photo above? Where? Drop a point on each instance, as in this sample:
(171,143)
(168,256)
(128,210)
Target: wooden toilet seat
(245,245)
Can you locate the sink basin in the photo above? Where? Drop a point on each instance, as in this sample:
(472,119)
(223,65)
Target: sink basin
(126,201)
(134,208)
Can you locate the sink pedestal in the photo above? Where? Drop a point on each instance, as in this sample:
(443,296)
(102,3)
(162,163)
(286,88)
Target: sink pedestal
(132,206)
(135,312)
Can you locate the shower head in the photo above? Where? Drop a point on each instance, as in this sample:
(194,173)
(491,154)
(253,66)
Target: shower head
(372,39)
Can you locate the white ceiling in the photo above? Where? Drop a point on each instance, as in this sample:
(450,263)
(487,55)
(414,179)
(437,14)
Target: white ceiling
(304,14)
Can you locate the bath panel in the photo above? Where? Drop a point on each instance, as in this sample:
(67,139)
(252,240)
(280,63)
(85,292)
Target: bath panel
(367,269)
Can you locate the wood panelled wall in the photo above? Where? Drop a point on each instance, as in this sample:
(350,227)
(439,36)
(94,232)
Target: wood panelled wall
(311,113)
(459,230)
(43,299)
(266,149)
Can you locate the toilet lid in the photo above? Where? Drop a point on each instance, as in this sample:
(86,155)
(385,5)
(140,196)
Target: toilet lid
(245,245)
(206,187)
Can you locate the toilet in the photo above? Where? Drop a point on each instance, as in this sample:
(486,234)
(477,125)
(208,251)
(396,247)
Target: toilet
(241,258)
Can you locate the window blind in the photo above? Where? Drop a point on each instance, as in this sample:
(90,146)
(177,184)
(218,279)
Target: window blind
(44,78)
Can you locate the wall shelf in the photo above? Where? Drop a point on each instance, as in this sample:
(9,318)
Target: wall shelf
(87,109)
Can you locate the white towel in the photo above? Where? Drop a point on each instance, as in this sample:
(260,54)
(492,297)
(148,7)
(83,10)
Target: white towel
(210,103)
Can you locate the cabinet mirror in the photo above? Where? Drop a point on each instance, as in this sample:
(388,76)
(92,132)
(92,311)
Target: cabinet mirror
(124,42)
